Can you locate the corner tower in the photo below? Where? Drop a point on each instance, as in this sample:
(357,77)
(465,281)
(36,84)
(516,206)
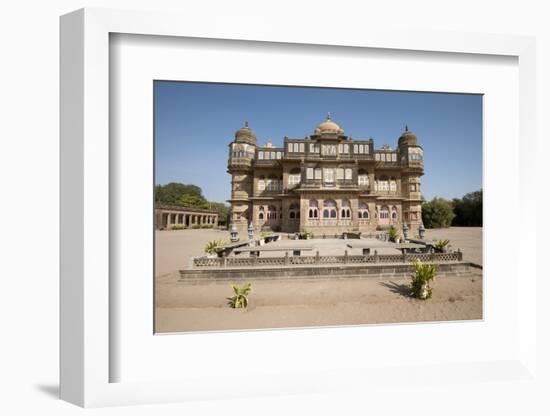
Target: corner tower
(412,163)
(242,153)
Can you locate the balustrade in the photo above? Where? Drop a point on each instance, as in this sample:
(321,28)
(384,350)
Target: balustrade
(240,262)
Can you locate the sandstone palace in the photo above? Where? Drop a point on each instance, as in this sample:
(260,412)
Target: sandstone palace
(325,183)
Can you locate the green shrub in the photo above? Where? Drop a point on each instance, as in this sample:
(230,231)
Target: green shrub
(441,244)
(420,280)
(212,246)
(393,234)
(240,296)
(195,226)
(304,235)
(177,227)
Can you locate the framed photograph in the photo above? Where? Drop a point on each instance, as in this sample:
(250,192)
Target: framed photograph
(319,230)
(318,207)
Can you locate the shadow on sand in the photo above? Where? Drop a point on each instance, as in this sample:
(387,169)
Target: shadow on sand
(400,289)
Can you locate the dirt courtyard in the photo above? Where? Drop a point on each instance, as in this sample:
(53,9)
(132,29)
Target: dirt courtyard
(301,303)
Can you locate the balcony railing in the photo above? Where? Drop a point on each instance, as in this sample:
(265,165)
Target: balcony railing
(240,161)
(387,193)
(386,164)
(328,222)
(239,262)
(266,162)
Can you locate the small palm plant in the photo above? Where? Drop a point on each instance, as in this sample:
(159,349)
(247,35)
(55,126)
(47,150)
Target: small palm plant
(240,297)
(393,234)
(441,245)
(212,246)
(420,280)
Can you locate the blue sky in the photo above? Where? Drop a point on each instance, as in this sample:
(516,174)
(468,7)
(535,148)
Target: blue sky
(195,122)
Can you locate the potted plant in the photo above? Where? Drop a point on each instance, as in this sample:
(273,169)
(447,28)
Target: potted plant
(211,248)
(393,234)
(240,296)
(442,246)
(420,281)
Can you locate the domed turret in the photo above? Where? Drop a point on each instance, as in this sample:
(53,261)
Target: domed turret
(407,137)
(245,135)
(328,126)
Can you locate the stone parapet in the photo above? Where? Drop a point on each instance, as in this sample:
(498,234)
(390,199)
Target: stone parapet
(323,272)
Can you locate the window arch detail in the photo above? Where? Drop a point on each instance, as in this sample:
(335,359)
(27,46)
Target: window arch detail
(363,212)
(329,209)
(313,211)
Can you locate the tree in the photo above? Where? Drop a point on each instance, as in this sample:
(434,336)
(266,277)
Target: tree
(469,210)
(221,208)
(438,213)
(188,196)
(171,193)
(192,201)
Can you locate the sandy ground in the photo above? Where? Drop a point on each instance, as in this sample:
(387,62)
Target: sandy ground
(302,303)
(277,304)
(468,239)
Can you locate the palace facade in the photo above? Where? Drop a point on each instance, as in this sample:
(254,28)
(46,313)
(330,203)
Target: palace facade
(325,183)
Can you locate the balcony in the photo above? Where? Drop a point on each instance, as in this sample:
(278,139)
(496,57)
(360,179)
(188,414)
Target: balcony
(395,193)
(295,155)
(268,192)
(266,162)
(385,164)
(416,164)
(362,156)
(236,162)
(328,222)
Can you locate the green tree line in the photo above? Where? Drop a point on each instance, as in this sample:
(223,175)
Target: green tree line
(188,196)
(459,212)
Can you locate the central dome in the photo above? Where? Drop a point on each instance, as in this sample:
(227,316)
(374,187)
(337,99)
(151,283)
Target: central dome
(329,126)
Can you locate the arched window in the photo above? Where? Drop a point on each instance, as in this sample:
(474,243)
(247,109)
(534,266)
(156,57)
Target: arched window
(271,213)
(394,214)
(363,212)
(294,211)
(294,177)
(346,209)
(261,183)
(384,215)
(362,178)
(329,209)
(313,209)
(261,215)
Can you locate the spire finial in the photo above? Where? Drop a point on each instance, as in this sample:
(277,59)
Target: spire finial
(246,123)
(406,127)
(328,115)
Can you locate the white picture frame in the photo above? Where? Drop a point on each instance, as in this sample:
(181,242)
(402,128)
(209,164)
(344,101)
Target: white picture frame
(86,331)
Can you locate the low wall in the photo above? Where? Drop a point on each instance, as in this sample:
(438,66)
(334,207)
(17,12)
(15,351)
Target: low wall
(254,261)
(386,271)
